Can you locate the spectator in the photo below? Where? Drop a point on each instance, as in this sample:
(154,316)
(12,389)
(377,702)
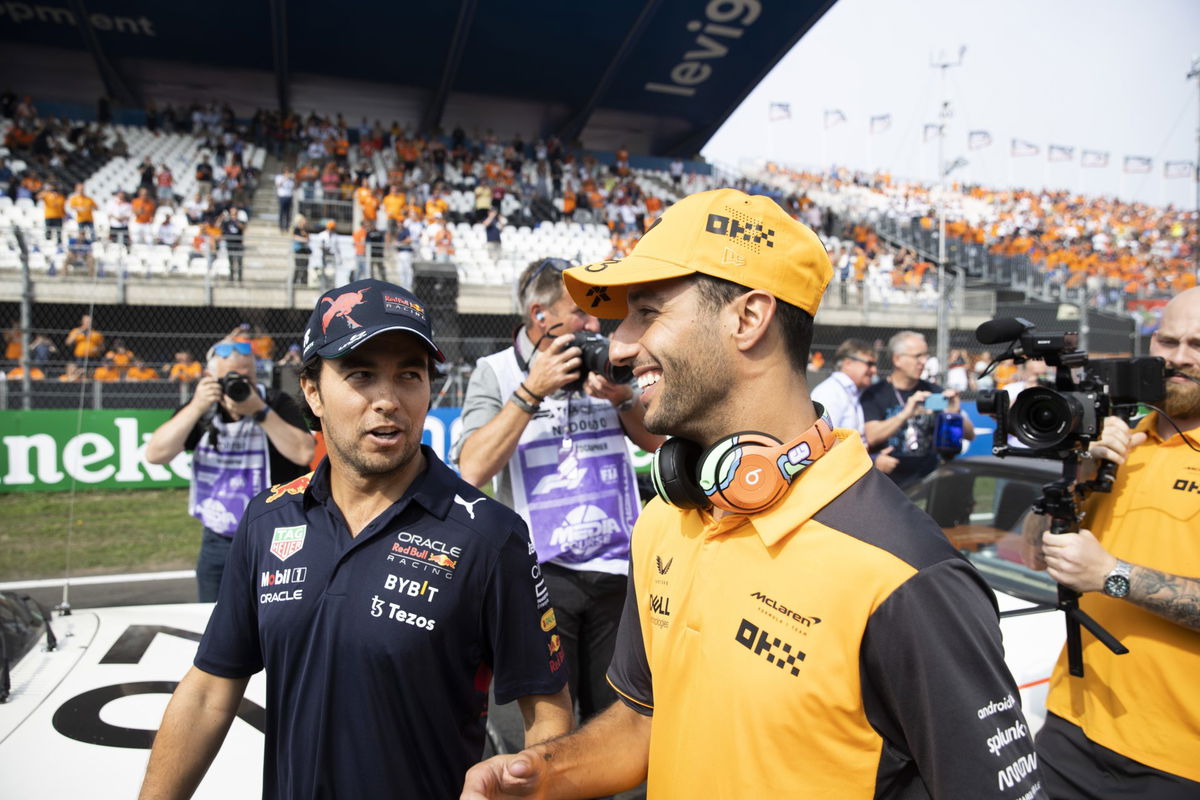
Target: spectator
(285,190)
(326,245)
(266,440)
(895,413)
(204,176)
(85,342)
(83,209)
(301,250)
(513,401)
(18,372)
(141,230)
(12,342)
(169,233)
(107,372)
(73,374)
(185,368)
(41,350)
(53,208)
(140,372)
(196,209)
(493,223)
(120,356)
(360,249)
(291,357)
(166,186)
(232,233)
(854,371)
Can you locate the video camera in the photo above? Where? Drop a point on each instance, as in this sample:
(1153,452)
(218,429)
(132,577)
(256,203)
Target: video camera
(595,359)
(1056,423)
(1059,424)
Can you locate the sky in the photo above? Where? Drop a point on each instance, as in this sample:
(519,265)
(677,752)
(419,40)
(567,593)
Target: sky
(1103,75)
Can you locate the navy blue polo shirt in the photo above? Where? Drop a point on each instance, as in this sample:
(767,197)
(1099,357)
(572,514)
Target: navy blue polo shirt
(379,649)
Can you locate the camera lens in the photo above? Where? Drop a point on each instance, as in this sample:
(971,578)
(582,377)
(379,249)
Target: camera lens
(595,358)
(236,387)
(1042,417)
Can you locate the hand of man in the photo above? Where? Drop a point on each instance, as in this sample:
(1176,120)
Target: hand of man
(248,407)
(208,391)
(1116,441)
(914,404)
(1077,560)
(885,462)
(500,777)
(602,388)
(555,367)
(953,401)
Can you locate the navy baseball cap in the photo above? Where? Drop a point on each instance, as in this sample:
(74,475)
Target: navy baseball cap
(349,315)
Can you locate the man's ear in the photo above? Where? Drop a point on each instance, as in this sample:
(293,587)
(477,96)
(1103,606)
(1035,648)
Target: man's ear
(312,395)
(754,312)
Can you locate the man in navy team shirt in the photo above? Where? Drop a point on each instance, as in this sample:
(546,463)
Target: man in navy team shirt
(381,593)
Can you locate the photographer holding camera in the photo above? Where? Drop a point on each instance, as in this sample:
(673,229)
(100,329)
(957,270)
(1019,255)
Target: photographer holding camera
(244,437)
(1130,726)
(901,412)
(560,460)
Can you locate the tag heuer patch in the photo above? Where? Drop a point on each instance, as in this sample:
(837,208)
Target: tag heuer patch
(288,541)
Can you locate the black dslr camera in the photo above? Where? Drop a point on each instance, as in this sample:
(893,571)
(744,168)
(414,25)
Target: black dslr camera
(595,359)
(1053,423)
(236,386)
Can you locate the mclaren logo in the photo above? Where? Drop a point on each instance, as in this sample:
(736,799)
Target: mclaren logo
(780,608)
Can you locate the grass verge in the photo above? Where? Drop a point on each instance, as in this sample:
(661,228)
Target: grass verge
(113,532)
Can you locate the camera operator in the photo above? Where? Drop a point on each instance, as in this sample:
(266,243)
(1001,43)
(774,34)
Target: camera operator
(244,438)
(1131,725)
(896,415)
(550,447)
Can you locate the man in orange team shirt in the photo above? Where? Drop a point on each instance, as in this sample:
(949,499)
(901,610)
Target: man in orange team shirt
(83,209)
(143,215)
(53,205)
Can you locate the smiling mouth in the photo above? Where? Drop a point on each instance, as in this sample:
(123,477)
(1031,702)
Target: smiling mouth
(648,379)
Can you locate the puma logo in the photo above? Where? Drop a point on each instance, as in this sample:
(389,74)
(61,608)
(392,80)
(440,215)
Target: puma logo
(470,507)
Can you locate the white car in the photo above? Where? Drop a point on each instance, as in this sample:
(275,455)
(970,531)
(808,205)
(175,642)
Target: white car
(980,503)
(79,719)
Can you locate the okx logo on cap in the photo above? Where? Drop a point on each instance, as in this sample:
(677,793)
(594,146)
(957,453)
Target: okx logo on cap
(749,240)
(349,315)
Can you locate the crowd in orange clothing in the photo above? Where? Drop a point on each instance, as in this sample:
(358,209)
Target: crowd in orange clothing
(1112,247)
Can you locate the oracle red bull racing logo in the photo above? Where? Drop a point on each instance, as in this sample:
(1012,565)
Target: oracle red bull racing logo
(425,554)
(341,306)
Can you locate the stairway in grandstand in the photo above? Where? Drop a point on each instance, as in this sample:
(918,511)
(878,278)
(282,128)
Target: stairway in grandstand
(268,250)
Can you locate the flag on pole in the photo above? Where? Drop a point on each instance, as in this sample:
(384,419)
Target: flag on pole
(931,131)
(1093,158)
(834,116)
(1057,152)
(779,111)
(978,139)
(1178,169)
(1138,164)
(880,123)
(955,164)
(1022,148)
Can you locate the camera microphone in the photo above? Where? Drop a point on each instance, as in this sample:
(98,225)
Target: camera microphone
(1005,329)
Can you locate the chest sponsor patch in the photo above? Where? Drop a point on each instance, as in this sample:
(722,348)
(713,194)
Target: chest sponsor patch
(287,541)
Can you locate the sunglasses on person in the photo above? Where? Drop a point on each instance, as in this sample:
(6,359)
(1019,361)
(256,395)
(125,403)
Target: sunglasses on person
(869,362)
(550,263)
(226,349)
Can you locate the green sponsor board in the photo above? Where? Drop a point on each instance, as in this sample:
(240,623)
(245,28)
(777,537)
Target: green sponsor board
(55,451)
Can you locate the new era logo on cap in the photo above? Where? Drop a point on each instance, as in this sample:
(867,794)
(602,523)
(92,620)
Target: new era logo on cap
(748,240)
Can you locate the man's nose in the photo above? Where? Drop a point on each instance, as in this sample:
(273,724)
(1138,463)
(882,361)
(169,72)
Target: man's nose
(591,324)
(623,346)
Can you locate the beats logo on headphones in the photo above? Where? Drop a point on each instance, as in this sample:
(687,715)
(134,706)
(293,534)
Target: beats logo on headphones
(742,473)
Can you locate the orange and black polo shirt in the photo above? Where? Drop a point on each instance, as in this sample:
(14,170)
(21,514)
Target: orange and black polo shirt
(1145,704)
(834,645)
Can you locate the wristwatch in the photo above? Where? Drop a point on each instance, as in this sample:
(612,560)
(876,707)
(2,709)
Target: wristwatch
(260,415)
(1116,584)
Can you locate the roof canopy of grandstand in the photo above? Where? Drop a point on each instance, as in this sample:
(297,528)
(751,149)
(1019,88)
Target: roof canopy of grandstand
(656,77)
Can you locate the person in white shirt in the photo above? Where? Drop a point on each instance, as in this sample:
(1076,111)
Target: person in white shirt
(285,188)
(119,211)
(855,370)
(169,232)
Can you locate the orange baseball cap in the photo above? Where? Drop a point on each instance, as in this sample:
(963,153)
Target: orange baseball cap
(749,240)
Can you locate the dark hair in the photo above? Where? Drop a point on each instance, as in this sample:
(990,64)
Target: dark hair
(311,370)
(851,347)
(795,325)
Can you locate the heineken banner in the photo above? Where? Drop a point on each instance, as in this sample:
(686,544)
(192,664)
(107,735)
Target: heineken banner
(56,451)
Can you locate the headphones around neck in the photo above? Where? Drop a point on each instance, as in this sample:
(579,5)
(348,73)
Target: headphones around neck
(742,473)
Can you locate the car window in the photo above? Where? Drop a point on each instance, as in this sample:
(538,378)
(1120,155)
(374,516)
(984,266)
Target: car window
(982,513)
(20,625)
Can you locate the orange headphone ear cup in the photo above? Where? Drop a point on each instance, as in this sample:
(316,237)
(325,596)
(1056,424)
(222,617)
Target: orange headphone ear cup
(746,476)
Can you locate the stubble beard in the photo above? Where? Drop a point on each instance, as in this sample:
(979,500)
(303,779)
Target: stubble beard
(694,390)
(371,464)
